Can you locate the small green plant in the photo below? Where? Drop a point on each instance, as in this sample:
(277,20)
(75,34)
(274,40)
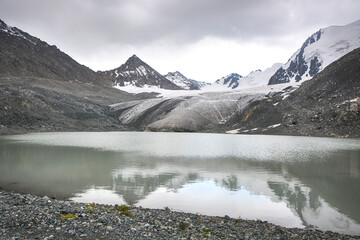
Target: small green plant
(183,226)
(123,208)
(69,216)
(207,230)
(89,210)
(126,214)
(238,220)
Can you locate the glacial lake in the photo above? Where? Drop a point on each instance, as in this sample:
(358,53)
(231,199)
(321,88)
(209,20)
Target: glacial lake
(290,181)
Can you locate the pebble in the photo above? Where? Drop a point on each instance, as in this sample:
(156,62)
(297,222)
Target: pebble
(32,217)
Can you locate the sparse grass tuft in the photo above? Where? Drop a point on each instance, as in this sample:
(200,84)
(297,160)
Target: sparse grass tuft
(69,216)
(123,208)
(183,226)
(89,210)
(126,214)
(207,230)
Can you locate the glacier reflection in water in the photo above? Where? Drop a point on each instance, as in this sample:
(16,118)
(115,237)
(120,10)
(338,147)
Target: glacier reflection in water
(290,181)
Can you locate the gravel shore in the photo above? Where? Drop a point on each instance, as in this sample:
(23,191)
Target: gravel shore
(33,217)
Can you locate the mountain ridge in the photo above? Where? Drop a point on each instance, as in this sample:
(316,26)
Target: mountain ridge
(26,55)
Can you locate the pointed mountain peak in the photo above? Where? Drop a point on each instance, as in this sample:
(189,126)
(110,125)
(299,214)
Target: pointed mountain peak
(138,73)
(134,57)
(134,61)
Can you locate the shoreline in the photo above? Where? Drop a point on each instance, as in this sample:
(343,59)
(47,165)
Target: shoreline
(13,133)
(26,216)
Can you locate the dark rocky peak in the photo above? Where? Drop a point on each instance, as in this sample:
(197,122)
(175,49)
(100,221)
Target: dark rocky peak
(138,73)
(313,38)
(231,80)
(134,61)
(298,66)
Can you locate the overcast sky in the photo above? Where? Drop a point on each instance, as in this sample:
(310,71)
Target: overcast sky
(203,39)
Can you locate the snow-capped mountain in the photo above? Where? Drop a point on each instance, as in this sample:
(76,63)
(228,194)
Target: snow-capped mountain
(137,73)
(318,51)
(256,78)
(184,82)
(231,80)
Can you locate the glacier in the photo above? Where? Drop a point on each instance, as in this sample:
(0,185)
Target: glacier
(189,110)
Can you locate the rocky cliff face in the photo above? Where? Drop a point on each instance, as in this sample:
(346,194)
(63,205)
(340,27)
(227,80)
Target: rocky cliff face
(137,73)
(327,105)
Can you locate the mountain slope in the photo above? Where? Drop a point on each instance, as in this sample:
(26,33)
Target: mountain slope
(43,89)
(184,82)
(136,72)
(318,51)
(24,55)
(328,105)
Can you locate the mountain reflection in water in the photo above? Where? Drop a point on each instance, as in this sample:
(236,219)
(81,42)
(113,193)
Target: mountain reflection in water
(305,186)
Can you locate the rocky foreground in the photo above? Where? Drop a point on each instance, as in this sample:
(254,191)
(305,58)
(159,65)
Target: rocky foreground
(33,217)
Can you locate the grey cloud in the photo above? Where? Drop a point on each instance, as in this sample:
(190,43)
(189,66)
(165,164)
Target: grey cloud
(92,23)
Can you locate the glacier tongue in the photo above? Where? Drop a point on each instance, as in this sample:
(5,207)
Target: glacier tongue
(192,112)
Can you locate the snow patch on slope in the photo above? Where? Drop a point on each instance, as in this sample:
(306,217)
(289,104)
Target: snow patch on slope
(178,79)
(13,31)
(184,82)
